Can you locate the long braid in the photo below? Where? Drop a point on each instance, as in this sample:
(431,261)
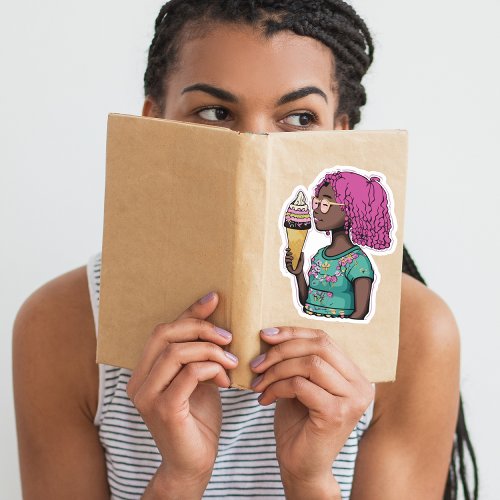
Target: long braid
(409,267)
(337,25)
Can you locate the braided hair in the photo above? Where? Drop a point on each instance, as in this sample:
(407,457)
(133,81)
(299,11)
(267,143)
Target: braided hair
(334,23)
(337,25)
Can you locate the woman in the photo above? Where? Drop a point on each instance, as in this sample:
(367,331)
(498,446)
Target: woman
(350,207)
(259,66)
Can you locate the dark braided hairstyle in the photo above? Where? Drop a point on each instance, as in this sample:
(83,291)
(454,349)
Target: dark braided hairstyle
(333,22)
(339,27)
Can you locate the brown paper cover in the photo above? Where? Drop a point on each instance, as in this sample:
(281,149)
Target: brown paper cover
(192,208)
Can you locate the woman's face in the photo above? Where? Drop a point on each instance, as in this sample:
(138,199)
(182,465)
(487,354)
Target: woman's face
(233,77)
(334,217)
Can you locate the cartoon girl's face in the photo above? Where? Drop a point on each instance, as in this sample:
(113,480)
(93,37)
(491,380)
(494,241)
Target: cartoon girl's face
(334,216)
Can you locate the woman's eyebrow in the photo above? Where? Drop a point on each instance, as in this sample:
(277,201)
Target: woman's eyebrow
(225,95)
(300,93)
(210,89)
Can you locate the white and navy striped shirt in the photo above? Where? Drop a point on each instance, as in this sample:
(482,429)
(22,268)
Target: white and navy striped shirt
(246,464)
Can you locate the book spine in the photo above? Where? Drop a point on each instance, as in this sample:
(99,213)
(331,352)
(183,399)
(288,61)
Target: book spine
(251,192)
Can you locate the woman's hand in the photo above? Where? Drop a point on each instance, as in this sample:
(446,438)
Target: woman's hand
(320,396)
(289,260)
(181,410)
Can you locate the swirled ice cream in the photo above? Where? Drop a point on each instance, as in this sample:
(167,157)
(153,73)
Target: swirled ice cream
(297,216)
(297,224)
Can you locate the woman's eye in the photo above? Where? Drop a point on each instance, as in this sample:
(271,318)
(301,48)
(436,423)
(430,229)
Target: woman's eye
(301,119)
(213,114)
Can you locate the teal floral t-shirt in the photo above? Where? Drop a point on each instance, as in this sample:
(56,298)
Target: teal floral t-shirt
(331,290)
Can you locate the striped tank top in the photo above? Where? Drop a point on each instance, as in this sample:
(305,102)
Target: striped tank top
(246,464)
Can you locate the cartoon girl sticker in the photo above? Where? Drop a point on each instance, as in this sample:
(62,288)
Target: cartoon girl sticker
(355,208)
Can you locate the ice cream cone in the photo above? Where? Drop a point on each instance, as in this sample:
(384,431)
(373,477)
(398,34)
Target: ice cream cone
(296,240)
(297,224)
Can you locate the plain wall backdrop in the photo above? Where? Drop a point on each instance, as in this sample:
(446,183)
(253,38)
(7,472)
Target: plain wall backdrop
(66,65)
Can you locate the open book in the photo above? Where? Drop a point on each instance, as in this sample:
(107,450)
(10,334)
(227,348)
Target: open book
(291,229)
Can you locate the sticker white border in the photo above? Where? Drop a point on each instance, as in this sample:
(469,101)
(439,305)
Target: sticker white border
(318,239)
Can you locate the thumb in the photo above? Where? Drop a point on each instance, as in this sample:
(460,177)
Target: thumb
(202,308)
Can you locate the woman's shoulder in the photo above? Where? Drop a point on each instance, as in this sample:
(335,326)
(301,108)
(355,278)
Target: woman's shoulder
(54,335)
(426,319)
(414,417)
(429,352)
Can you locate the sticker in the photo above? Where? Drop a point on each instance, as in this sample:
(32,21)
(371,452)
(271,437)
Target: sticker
(329,233)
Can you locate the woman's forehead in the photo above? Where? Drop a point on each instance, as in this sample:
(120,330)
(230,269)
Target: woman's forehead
(243,61)
(327,191)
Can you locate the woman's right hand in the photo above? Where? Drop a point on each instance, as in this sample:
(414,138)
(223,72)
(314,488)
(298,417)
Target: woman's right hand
(289,262)
(169,389)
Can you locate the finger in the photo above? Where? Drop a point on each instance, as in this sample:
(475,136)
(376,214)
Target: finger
(191,329)
(181,388)
(171,361)
(202,308)
(313,368)
(185,330)
(309,394)
(291,342)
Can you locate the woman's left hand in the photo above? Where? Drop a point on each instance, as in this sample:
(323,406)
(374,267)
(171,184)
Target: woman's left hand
(321,395)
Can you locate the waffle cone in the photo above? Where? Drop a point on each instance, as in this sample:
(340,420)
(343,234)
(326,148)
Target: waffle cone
(296,240)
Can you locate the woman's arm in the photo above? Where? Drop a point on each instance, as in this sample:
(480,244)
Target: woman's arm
(406,451)
(302,286)
(362,294)
(298,273)
(56,391)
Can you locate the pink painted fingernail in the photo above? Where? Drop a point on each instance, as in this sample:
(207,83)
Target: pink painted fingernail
(270,331)
(257,381)
(208,297)
(222,332)
(258,360)
(231,356)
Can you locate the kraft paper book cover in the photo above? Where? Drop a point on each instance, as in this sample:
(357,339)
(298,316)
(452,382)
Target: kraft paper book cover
(297,229)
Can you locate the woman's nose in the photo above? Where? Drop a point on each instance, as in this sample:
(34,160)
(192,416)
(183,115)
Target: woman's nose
(259,124)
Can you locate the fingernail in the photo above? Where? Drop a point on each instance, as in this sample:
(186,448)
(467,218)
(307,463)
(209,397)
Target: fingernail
(231,356)
(222,332)
(258,360)
(257,380)
(270,331)
(207,298)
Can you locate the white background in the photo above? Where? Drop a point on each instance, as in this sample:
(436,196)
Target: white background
(65,65)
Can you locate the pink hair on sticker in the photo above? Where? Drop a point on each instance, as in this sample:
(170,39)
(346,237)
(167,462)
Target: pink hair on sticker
(366,206)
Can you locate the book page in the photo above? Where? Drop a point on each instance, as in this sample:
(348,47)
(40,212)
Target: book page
(300,162)
(169,228)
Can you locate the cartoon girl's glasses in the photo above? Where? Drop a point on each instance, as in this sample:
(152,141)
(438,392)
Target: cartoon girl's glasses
(324,204)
